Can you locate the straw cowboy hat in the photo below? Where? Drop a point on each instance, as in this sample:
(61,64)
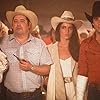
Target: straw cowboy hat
(23,11)
(68,17)
(95,11)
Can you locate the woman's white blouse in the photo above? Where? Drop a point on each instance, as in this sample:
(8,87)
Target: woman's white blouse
(66,67)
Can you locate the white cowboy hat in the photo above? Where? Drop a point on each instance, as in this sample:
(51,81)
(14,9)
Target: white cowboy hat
(68,17)
(23,11)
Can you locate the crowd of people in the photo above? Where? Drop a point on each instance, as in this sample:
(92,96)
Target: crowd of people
(59,65)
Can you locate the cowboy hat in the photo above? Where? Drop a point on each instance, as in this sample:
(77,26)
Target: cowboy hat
(68,17)
(23,11)
(95,11)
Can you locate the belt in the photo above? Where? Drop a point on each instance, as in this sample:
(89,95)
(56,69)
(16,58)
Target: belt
(26,94)
(97,86)
(67,79)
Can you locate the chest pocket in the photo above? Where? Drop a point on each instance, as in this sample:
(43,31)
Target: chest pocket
(9,52)
(93,57)
(33,55)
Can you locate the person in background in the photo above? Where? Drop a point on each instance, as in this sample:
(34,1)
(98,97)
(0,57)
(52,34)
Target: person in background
(3,64)
(47,38)
(28,57)
(36,32)
(64,52)
(3,30)
(52,35)
(85,30)
(83,36)
(3,68)
(3,59)
(89,60)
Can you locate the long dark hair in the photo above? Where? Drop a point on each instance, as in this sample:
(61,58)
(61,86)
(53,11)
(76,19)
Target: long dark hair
(74,44)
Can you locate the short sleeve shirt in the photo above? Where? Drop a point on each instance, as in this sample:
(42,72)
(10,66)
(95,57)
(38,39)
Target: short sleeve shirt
(35,51)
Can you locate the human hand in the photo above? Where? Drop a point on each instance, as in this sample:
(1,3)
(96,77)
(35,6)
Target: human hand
(25,65)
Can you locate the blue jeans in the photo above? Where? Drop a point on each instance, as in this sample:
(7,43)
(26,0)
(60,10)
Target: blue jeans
(93,93)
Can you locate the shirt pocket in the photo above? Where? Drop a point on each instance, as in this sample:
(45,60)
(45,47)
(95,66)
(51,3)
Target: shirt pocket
(92,57)
(33,55)
(9,52)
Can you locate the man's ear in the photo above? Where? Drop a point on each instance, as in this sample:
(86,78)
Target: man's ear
(30,25)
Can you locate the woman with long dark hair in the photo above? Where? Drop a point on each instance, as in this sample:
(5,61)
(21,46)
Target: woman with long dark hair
(65,53)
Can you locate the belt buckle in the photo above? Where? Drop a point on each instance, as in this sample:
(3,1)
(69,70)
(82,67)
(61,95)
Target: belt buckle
(67,79)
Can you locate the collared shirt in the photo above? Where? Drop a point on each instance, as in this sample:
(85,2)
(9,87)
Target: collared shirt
(34,50)
(89,59)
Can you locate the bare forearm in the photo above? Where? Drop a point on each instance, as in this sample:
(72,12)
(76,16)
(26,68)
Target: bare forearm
(41,70)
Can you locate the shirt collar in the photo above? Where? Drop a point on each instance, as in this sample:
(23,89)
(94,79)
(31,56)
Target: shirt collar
(11,37)
(94,46)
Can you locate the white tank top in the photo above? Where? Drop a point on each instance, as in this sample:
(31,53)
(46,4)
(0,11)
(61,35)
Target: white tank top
(66,67)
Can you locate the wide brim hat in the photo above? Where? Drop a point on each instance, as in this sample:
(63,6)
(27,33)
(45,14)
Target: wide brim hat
(67,17)
(21,10)
(95,11)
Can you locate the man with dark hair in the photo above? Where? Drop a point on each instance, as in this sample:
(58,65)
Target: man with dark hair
(28,57)
(89,59)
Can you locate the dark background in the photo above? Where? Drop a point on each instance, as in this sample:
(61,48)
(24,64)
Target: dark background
(45,9)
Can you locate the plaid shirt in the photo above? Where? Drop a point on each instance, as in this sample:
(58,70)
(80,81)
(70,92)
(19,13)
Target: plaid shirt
(89,59)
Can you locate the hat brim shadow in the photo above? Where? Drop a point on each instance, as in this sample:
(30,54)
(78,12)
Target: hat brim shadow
(90,18)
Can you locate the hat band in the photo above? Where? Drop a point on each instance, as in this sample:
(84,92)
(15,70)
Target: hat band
(68,19)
